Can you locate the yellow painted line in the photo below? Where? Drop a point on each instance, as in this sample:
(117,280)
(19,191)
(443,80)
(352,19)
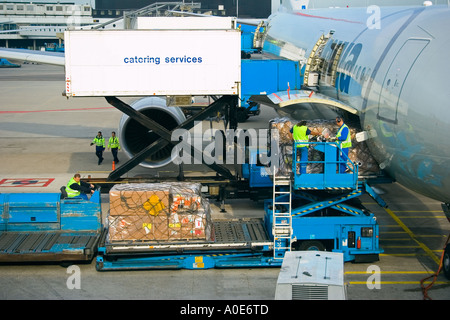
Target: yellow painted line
(405,255)
(422,217)
(402,247)
(389,272)
(413,236)
(424,211)
(396,282)
(418,236)
(386,240)
(392,232)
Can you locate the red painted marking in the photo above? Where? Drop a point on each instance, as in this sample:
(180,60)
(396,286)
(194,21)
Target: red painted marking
(31,182)
(56,110)
(277,96)
(327,18)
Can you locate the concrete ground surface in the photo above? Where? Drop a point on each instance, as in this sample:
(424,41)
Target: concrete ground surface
(44,136)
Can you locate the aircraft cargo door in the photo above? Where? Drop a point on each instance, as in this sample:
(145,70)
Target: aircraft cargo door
(390,94)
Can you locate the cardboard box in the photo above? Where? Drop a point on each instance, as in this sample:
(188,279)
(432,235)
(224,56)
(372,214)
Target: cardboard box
(137,228)
(159,212)
(139,199)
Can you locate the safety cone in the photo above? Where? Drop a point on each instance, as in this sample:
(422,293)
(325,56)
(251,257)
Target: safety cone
(113,166)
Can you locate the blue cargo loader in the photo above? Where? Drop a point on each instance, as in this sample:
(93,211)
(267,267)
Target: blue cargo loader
(46,227)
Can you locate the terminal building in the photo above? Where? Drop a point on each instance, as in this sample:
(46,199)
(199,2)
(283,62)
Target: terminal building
(41,25)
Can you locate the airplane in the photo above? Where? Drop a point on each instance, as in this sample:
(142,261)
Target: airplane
(388,64)
(384,67)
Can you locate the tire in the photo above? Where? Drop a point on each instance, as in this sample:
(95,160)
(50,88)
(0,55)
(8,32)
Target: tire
(311,246)
(446,262)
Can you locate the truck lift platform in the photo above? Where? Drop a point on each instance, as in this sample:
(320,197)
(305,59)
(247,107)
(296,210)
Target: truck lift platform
(320,210)
(43,227)
(239,243)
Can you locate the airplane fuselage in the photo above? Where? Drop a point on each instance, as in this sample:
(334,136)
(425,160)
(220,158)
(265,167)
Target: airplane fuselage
(390,64)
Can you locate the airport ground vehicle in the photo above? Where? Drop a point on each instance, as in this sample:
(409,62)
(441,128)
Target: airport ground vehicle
(46,227)
(307,275)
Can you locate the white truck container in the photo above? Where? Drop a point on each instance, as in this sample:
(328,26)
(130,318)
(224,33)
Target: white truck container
(153,62)
(311,275)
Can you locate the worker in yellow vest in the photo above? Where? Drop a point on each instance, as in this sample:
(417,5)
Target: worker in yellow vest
(300,133)
(77,188)
(343,136)
(99,142)
(114,145)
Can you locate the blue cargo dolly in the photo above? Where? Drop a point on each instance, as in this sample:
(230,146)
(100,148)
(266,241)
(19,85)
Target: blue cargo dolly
(239,243)
(44,227)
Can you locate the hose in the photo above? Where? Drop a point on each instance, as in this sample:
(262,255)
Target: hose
(434,276)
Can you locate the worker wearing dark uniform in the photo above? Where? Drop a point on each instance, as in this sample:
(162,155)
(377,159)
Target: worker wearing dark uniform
(77,188)
(300,133)
(343,136)
(99,142)
(114,145)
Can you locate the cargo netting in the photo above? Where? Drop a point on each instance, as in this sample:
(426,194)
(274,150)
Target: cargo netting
(159,212)
(359,153)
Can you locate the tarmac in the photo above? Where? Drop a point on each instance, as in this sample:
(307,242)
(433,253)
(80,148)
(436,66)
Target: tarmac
(44,139)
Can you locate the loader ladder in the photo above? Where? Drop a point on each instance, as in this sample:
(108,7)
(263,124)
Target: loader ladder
(282,215)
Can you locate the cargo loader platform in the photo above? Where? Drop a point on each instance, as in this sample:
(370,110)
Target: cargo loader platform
(42,227)
(238,243)
(47,246)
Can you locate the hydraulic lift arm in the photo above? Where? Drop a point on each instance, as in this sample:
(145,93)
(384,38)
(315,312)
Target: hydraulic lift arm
(227,103)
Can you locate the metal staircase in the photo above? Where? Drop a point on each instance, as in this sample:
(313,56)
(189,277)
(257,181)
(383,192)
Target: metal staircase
(282,215)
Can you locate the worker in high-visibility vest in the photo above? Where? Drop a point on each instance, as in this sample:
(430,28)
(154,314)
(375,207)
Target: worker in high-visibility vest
(114,145)
(77,188)
(99,142)
(300,133)
(343,136)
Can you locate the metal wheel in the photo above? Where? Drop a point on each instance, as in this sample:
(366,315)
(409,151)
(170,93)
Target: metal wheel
(312,245)
(446,262)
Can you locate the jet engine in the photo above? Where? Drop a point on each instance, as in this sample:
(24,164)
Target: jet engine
(134,137)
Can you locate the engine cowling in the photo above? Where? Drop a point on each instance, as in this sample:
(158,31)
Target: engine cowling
(134,137)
